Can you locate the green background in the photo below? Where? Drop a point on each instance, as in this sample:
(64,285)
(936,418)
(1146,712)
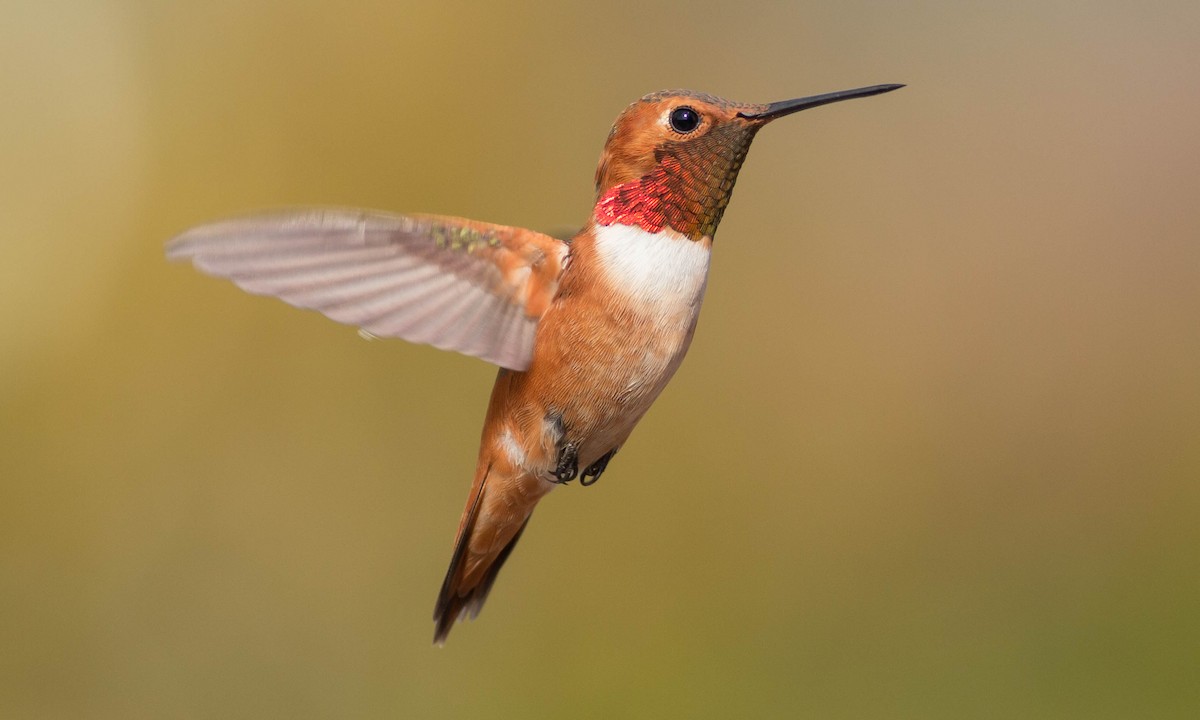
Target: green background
(935,451)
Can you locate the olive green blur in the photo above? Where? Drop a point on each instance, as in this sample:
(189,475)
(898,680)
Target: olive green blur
(935,452)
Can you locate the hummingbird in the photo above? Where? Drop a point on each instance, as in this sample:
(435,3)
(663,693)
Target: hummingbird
(586,331)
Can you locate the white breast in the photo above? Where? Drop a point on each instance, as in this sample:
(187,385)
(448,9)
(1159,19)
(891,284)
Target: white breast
(663,273)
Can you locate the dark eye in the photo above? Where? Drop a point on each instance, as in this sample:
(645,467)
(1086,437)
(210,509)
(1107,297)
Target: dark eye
(684,119)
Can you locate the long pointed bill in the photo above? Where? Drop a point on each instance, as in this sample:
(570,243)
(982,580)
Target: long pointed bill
(787,107)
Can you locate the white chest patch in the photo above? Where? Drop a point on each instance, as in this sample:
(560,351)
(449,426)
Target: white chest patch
(662,272)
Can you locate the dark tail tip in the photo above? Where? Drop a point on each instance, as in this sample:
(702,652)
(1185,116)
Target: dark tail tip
(444,618)
(454,602)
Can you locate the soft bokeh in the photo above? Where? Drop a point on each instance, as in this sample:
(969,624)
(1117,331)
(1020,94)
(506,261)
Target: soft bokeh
(935,451)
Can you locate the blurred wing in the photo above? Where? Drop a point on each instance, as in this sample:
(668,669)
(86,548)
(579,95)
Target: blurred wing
(455,284)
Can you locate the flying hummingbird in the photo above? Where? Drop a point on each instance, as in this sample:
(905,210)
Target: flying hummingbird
(587,331)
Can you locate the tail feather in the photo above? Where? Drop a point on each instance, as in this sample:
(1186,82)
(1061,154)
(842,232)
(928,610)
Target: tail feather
(457,598)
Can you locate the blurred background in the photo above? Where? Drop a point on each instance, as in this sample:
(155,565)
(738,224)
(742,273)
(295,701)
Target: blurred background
(935,451)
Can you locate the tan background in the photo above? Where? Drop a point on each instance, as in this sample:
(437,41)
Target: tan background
(935,452)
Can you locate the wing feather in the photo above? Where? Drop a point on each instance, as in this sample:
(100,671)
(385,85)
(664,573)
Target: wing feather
(456,284)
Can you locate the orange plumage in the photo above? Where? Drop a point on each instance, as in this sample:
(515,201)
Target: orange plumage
(588,332)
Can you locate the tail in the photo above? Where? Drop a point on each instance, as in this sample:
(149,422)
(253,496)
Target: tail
(490,529)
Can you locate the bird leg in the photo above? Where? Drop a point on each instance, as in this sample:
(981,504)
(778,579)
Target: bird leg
(568,463)
(596,469)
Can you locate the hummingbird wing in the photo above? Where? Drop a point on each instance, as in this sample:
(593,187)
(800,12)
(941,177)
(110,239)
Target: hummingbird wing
(456,284)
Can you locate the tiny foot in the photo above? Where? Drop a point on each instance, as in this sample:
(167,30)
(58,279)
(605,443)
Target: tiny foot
(596,469)
(568,464)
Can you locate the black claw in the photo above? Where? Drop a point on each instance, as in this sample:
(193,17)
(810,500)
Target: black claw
(596,469)
(568,464)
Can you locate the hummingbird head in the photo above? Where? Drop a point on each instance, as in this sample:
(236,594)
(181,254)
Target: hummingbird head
(672,158)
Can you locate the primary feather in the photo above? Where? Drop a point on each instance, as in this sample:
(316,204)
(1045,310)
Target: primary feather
(456,284)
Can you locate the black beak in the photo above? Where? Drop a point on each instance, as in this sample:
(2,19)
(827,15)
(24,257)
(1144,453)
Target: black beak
(787,107)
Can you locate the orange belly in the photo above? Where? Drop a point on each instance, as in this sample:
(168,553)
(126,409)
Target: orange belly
(613,338)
